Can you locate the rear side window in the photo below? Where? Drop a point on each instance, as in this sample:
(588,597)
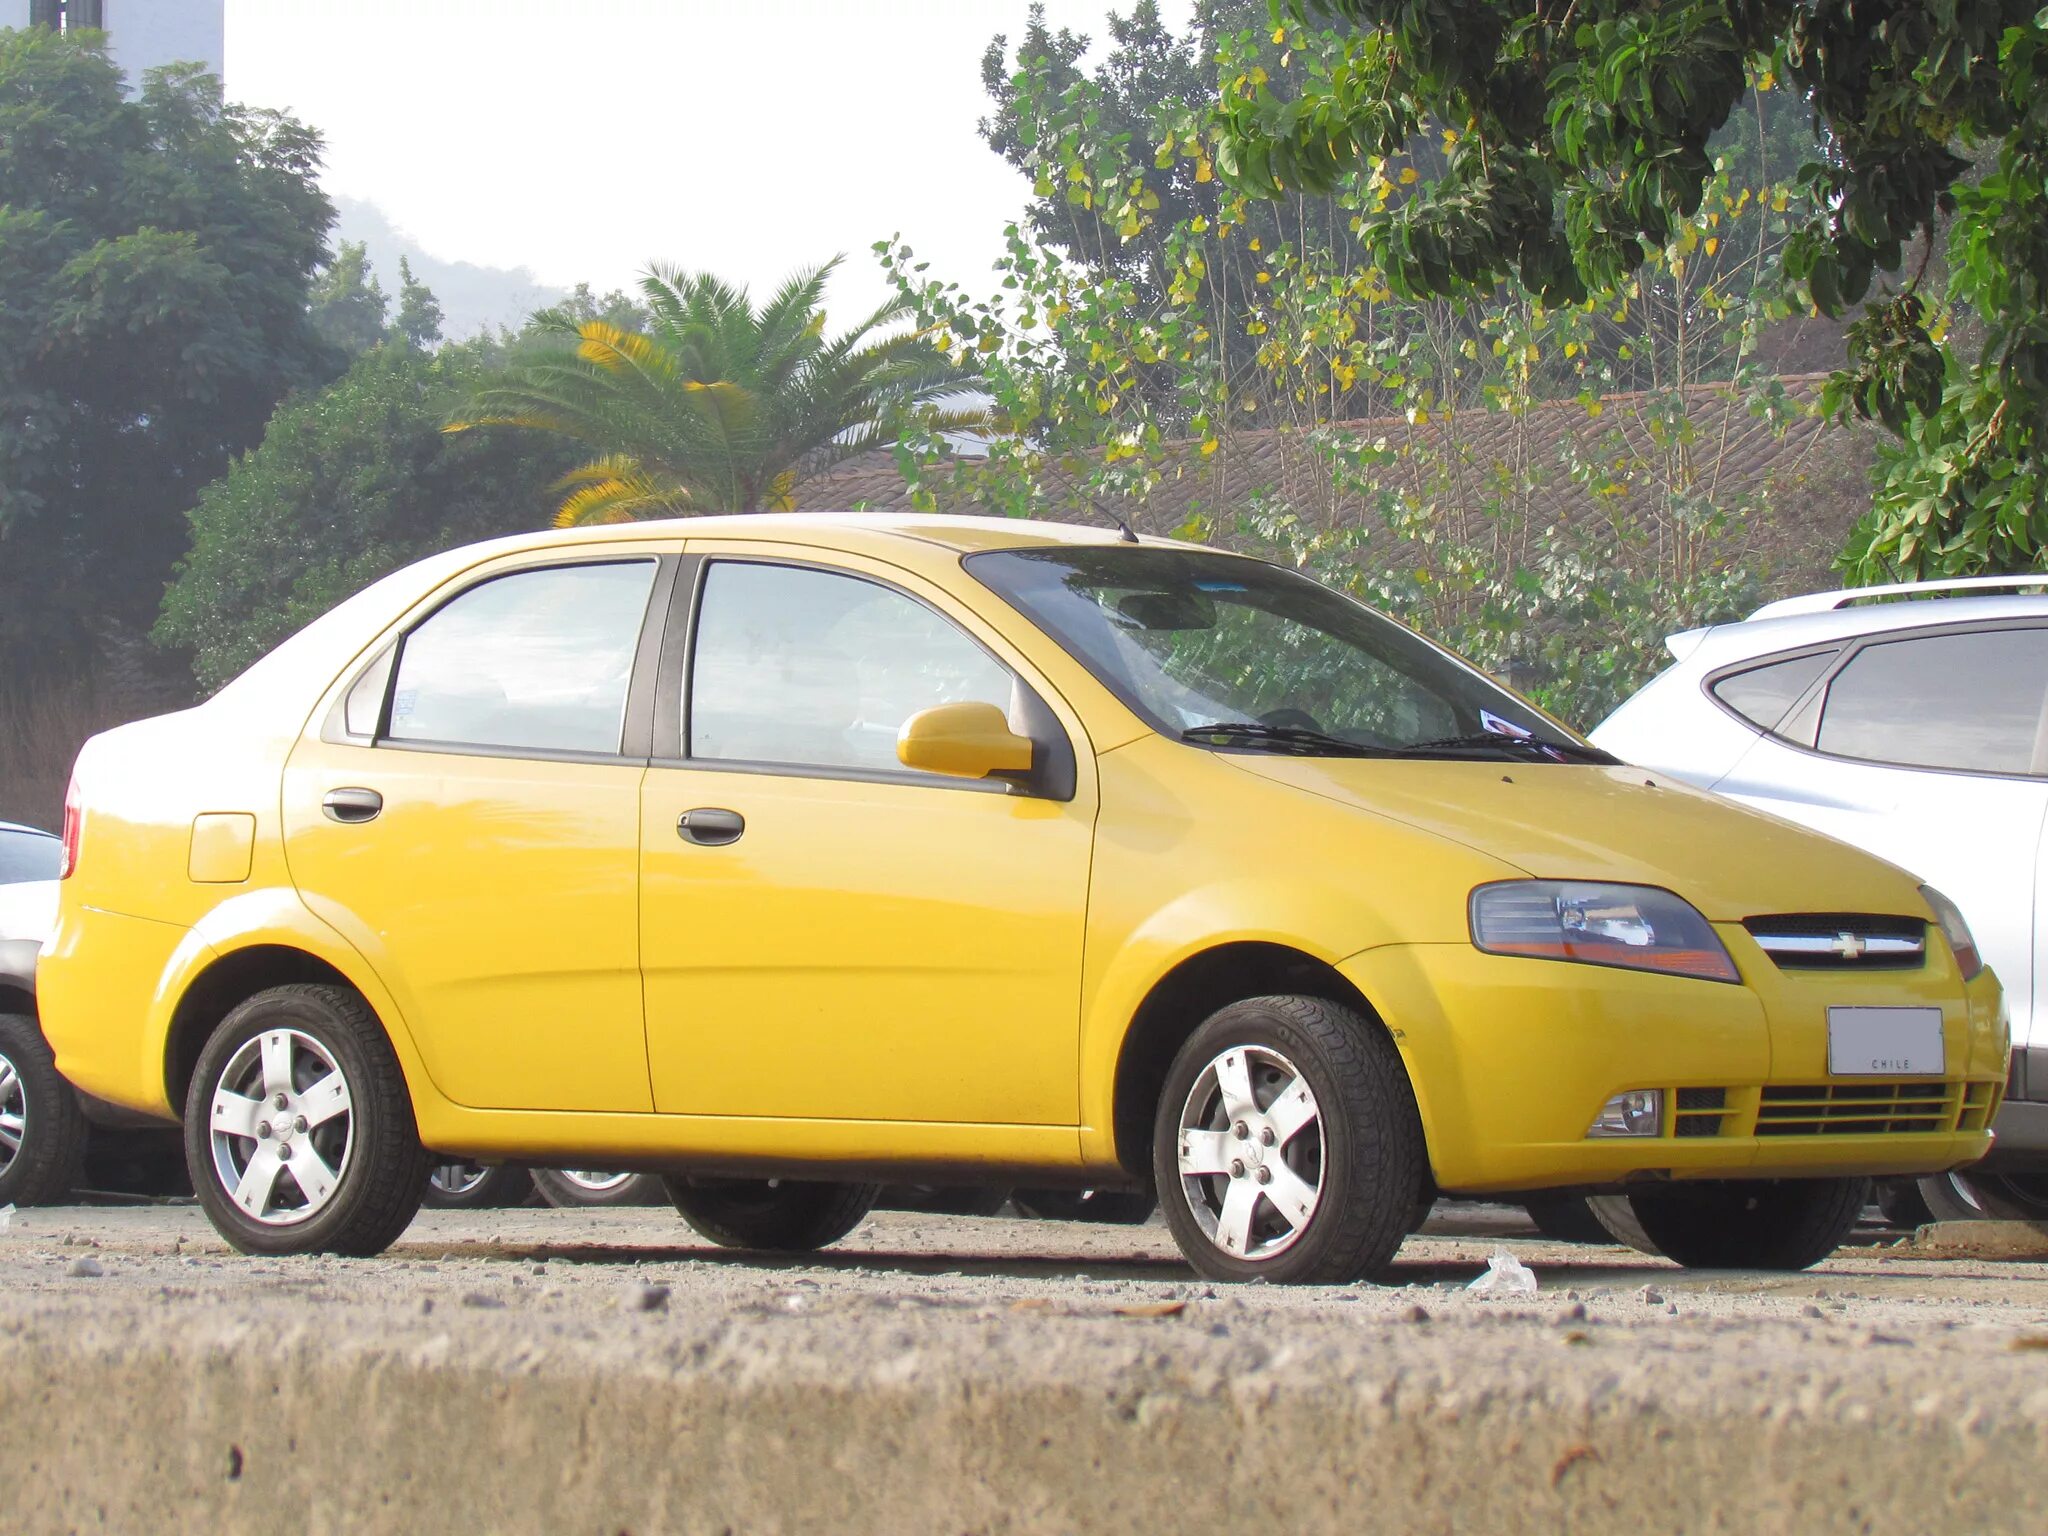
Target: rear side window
(1764,695)
(1975,701)
(26,856)
(535,661)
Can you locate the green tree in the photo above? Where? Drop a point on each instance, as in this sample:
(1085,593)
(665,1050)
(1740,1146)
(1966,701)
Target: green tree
(717,406)
(348,304)
(419,313)
(1583,135)
(155,257)
(350,482)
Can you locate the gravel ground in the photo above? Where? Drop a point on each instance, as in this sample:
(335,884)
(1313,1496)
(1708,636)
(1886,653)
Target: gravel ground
(603,1371)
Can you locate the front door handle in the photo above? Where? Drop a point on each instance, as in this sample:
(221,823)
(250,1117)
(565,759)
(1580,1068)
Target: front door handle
(711,827)
(350,806)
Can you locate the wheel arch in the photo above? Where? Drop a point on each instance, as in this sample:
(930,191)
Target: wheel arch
(225,982)
(1178,1002)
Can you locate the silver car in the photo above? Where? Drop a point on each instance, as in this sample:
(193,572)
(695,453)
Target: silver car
(1911,721)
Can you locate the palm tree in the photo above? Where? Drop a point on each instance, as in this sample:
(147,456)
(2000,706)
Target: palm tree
(718,407)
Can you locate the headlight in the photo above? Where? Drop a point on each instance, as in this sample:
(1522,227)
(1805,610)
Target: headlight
(1960,939)
(1636,927)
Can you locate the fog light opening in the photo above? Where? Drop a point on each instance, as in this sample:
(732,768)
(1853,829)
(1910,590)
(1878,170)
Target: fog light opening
(1638,1112)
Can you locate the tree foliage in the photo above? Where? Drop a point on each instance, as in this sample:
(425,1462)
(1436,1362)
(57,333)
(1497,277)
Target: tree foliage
(350,482)
(155,255)
(715,406)
(1576,143)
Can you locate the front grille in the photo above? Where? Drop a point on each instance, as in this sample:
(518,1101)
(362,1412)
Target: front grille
(1980,1103)
(1858,1109)
(1840,941)
(1699,1111)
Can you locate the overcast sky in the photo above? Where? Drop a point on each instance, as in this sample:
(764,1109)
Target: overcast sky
(585,139)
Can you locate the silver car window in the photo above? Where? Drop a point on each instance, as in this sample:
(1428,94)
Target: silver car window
(1974,700)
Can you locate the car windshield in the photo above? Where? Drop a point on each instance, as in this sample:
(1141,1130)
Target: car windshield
(26,856)
(1237,655)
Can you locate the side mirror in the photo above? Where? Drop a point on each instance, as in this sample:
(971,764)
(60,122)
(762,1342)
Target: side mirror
(965,741)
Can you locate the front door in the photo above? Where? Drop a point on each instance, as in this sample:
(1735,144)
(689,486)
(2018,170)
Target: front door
(824,934)
(472,824)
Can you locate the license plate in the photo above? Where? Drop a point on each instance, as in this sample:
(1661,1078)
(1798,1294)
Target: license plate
(1884,1042)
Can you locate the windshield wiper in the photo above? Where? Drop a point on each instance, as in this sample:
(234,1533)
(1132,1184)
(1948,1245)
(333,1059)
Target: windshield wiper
(1497,741)
(1279,738)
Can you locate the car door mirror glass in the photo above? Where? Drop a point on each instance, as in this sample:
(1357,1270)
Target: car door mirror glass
(967,741)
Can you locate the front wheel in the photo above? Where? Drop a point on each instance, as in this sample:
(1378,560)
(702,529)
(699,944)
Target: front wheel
(1114,1207)
(570,1188)
(1981,1196)
(1751,1224)
(476,1187)
(299,1133)
(1287,1145)
(772,1215)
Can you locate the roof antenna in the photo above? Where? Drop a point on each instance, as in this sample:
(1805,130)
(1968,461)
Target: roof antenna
(1123,523)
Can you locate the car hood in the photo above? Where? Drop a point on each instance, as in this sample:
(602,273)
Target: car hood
(1583,822)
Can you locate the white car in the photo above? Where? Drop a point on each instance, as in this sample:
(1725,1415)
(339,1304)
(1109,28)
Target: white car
(1911,721)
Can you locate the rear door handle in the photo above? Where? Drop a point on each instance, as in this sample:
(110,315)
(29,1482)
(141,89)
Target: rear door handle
(710,826)
(350,806)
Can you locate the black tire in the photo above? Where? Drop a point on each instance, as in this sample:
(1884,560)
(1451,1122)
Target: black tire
(458,1186)
(1361,1149)
(1623,1226)
(1752,1224)
(772,1215)
(372,1148)
(945,1199)
(1566,1219)
(43,1132)
(1902,1204)
(571,1191)
(1114,1207)
(1981,1196)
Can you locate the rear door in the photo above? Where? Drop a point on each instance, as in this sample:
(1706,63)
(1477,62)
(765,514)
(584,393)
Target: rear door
(468,816)
(1929,749)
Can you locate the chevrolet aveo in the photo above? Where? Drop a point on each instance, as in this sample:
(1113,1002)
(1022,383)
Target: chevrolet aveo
(786,855)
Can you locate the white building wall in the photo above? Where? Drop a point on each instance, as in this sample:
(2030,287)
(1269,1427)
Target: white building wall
(13,13)
(142,34)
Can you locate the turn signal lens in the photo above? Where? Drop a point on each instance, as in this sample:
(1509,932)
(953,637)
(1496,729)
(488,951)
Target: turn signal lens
(1635,927)
(1960,939)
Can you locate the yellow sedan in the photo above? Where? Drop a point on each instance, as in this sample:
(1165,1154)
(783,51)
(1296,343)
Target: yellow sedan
(781,856)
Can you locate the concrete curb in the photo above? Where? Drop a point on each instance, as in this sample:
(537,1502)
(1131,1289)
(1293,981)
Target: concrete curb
(246,1430)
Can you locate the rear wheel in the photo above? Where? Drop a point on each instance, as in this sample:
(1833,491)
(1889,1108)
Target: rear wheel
(299,1133)
(946,1199)
(42,1130)
(772,1215)
(567,1187)
(1980,1196)
(1287,1145)
(1902,1204)
(475,1187)
(1785,1225)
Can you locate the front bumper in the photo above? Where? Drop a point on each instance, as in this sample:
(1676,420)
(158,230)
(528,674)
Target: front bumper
(1511,1059)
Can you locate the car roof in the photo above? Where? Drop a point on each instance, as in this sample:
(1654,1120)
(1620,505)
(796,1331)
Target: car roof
(1823,617)
(963,532)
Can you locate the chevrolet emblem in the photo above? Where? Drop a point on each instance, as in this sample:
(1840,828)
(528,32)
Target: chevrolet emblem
(1849,946)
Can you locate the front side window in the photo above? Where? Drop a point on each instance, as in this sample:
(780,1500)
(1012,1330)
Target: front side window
(1241,655)
(1977,701)
(819,670)
(539,661)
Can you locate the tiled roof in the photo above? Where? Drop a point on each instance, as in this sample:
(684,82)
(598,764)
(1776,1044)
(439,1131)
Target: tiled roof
(1737,453)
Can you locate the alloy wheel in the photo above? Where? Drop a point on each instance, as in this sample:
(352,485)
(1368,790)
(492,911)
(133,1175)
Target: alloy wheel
(1250,1152)
(282,1127)
(13,1113)
(596,1182)
(457,1179)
